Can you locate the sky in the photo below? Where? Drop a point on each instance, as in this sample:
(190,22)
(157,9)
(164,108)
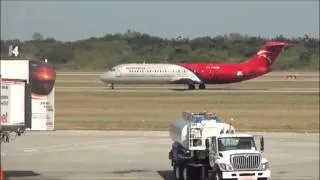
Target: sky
(75,20)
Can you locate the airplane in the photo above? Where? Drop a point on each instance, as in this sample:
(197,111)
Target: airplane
(196,73)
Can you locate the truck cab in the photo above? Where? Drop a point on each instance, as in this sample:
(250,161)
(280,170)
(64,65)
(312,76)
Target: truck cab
(236,156)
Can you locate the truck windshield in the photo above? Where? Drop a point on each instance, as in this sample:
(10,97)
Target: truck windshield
(233,143)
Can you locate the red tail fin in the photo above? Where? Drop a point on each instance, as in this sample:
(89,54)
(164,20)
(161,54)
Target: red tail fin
(268,53)
(272,50)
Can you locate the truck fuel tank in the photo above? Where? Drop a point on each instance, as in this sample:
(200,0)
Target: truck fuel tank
(191,129)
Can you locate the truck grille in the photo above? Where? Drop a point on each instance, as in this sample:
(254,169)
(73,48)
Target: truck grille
(245,161)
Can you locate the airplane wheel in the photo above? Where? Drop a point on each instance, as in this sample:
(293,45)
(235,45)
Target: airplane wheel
(191,86)
(202,86)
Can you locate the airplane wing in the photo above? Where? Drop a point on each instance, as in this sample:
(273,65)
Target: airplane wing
(184,80)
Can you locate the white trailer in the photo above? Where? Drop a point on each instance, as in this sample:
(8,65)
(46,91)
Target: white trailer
(13,113)
(40,108)
(204,147)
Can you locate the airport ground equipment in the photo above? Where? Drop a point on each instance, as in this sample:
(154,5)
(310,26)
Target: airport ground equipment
(40,79)
(15,107)
(205,147)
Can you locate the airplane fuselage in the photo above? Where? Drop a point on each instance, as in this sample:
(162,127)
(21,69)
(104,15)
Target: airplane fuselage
(196,73)
(181,74)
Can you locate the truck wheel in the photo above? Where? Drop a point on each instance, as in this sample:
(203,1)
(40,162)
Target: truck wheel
(218,175)
(177,171)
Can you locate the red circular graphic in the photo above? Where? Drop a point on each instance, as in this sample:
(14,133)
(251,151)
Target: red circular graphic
(42,77)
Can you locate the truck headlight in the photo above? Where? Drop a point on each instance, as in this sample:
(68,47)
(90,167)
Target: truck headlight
(264,166)
(225,167)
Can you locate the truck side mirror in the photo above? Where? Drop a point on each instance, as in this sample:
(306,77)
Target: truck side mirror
(262,143)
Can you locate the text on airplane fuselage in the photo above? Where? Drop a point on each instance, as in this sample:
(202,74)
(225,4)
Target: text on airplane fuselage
(213,67)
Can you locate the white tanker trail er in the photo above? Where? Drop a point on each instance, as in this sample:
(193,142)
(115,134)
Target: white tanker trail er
(205,148)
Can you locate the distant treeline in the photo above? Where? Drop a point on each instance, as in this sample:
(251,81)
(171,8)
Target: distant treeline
(132,46)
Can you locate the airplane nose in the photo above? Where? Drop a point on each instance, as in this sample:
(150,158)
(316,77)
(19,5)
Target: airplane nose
(107,77)
(103,76)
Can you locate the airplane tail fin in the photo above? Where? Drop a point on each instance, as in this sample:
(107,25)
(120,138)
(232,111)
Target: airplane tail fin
(268,53)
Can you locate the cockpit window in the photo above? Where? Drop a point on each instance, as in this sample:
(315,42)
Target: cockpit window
(112,69)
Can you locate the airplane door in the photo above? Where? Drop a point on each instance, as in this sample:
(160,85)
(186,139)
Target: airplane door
(118,73)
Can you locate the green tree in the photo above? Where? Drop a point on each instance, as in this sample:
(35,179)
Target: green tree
(132,46)
(37,36)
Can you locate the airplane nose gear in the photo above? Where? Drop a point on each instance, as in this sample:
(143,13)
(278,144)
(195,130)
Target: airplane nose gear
(112,86)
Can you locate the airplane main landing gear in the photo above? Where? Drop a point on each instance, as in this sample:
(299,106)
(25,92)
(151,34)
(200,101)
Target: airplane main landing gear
(202,86)
(191,86)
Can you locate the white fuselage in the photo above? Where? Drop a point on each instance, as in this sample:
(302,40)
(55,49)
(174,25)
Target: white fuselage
(148,74)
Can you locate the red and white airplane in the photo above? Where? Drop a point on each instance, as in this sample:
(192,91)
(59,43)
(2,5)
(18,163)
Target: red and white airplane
(196,73)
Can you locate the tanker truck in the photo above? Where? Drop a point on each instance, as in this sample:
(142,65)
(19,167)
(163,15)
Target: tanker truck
(204,147)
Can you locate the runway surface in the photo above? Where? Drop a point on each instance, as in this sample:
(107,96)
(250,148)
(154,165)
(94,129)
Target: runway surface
(273,73)
(181,89)
(127,155)
(302,77)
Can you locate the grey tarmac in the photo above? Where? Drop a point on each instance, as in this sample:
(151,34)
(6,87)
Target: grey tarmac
(273,73)
(139,155)
(180,90)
